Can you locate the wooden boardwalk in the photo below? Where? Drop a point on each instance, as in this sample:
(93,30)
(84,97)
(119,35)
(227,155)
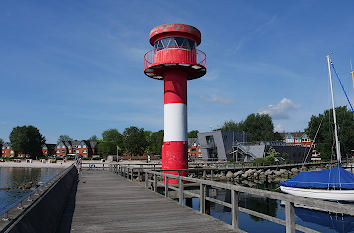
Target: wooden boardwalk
(105,202)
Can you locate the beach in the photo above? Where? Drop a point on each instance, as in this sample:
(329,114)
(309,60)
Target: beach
(37,164)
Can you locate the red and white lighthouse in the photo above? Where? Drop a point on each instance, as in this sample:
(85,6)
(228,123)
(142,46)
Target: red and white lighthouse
(175,60)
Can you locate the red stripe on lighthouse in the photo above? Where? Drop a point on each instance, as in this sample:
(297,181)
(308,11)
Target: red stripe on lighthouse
(174,150)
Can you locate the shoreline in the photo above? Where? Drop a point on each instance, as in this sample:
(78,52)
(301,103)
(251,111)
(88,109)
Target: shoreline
(36,164)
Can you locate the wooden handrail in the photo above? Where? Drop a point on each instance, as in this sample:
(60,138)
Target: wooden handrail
(289,200)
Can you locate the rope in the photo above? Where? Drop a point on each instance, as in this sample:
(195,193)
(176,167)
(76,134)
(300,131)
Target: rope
(318,129)
(342,87)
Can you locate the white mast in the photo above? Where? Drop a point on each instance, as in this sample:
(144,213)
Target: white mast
(334,111)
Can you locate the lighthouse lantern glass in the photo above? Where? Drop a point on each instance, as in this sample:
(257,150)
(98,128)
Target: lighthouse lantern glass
(174,42)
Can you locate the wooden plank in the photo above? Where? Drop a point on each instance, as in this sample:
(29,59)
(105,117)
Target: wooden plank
(109,203)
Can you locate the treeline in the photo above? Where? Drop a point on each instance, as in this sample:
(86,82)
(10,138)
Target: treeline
(325,142)
(132,141)
(259,126)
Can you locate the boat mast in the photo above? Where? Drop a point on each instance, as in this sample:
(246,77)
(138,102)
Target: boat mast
(352,72)
(334,111)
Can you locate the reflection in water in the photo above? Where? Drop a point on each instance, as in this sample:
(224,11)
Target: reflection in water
(13,177)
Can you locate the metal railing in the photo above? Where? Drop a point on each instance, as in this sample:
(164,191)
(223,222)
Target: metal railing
(29,198)
(157,57)
(154,179)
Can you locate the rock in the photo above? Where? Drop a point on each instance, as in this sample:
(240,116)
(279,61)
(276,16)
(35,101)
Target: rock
(5,188)
(294,170)
(239,173)
(229,175)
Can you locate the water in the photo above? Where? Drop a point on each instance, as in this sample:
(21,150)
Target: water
(14,177)
(320,221)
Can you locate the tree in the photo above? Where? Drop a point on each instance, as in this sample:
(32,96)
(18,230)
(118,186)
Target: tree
(193,134)
(64,138)
(111,138)
(135,141)
(1,141)
(93,138)
(260,127)
(325,138)
(27,140)
(156,142)
(231,126)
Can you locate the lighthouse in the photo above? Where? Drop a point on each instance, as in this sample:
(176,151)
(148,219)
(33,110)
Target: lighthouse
(175,59)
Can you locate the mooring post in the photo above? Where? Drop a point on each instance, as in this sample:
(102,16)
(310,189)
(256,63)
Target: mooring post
(146,179)
(155,183)
(202,198)
(289,217)
(180,184)
(166,186)
(234,209)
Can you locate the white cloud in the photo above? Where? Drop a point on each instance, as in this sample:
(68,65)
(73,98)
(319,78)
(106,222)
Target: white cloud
(279,128)
(214,98)
(280,110)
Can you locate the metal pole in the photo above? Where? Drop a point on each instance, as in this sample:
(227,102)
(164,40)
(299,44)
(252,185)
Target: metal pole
(334,111)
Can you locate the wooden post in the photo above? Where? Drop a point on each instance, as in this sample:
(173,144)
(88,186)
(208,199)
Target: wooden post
(289,217)
(234,209)
(155,183)
(146,179)
(204,174)
(132,173)
(202,198)
(211,174)
(139,174)
(181,191)
(166,186)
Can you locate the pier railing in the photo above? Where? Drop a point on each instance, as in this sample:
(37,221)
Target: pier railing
(155,179)
(15,209)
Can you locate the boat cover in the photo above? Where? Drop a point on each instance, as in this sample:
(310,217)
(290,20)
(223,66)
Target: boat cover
(333,178)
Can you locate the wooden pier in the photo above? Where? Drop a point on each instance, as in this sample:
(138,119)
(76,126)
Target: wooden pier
(106,202)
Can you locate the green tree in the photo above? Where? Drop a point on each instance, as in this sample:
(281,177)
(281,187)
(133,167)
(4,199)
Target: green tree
(193,134)
(27,140)
(1,141)
(156,142)
(111,138)
(135,141)
(64,138)
(93,138)
(260,127)
(231,126)
(325,141)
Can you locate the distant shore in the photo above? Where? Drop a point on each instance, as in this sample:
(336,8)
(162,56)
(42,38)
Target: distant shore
(37,164)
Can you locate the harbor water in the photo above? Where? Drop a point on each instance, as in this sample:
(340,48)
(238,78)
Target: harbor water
(11,178)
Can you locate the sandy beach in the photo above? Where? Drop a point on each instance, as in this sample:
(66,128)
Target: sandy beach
(58,164)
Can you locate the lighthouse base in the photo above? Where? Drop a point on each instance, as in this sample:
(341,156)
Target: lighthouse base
(175,156)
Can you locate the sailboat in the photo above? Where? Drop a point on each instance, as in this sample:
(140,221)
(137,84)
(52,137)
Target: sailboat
(335,184)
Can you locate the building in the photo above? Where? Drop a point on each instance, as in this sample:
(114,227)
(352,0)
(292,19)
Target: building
(6,150)
(297,139)
(85,148)
(218,145)
(48,149)
(194,151)
(248,152)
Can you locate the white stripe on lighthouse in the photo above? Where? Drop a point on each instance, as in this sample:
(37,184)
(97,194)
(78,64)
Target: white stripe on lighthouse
(175,122)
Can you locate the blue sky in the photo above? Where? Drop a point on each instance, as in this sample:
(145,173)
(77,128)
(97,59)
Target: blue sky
(76,67)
